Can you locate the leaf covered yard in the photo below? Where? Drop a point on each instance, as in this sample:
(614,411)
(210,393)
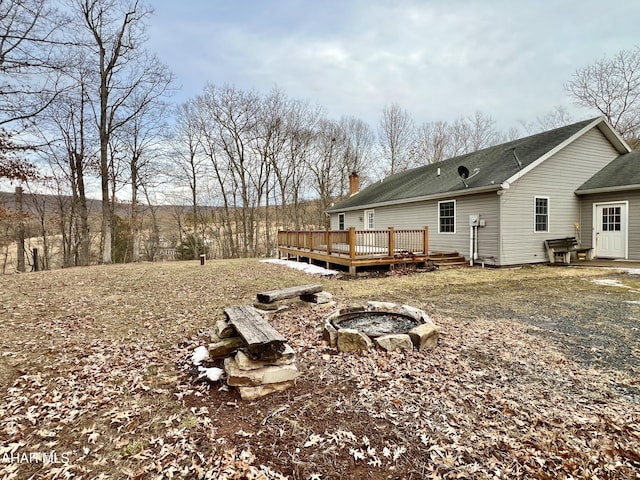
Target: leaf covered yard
(536,375)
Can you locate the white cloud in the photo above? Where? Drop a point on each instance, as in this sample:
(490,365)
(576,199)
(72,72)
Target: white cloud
(439,60)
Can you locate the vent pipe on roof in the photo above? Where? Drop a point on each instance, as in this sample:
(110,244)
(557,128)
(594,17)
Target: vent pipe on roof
(513,150)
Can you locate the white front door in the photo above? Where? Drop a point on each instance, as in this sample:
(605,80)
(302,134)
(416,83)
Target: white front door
(610,221)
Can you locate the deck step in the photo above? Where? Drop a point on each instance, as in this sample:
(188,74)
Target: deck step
(447,260)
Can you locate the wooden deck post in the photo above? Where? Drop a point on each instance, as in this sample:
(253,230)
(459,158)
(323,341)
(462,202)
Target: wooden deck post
(425,241)
(392,241)
(327,241)
(352,242)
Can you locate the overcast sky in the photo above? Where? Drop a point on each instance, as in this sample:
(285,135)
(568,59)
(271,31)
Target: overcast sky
(438,59)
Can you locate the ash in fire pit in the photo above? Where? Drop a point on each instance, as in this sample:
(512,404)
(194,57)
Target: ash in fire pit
(391,327)
(375,324)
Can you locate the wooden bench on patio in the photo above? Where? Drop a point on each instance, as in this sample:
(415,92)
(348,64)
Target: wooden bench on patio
(564,247)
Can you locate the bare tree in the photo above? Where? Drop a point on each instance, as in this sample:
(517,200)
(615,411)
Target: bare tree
(437,141)
(326,165)
(611,86)
(396,133)
(556,118)
(141,138)
(31,59)
(188,159)
(433,143)
(124,71)
(359,140)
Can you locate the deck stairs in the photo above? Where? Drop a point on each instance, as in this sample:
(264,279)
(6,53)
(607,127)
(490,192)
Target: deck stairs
(447,260)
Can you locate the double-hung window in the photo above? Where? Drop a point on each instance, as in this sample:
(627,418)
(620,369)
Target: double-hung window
(541,214)
(341,221)
(447,216)
(369,219)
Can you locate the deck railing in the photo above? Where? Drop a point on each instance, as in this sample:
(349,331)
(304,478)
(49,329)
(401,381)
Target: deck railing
(357,243)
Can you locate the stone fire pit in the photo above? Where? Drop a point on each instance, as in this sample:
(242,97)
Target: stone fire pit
(383,324)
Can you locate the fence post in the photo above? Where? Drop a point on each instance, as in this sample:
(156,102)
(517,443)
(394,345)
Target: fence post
(425,241)
(327,236)
(392,241)
(352,242)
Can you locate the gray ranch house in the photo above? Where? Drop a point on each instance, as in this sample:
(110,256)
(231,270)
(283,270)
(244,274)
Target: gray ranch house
(499,205)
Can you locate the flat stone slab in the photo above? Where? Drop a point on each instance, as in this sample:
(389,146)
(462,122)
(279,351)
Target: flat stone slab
(237,377)
(245,362)
(253,393)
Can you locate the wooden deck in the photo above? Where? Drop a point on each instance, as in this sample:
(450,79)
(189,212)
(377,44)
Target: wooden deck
(357,248)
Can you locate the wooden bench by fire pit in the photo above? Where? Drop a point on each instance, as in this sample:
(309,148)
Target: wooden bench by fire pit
(262,340)
(564,247)
(309,293)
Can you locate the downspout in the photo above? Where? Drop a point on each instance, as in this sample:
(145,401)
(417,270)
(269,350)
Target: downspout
(471,252)
(475,244)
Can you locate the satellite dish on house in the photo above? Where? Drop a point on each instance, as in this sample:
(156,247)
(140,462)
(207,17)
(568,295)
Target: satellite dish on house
(463,172)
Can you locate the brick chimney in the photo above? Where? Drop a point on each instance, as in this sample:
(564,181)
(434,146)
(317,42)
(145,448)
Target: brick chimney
(354,184)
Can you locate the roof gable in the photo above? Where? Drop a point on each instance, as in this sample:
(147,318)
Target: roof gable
(489,169)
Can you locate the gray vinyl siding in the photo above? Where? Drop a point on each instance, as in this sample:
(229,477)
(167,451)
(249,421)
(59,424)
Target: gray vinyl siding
(633,197)
(418,215)
(557,178)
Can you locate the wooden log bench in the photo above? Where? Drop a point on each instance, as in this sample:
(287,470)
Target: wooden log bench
(273,296)
(263,342)
(564,247)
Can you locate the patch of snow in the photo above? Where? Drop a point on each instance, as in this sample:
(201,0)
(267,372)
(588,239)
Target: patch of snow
(633,271)
(609,283)
(199,355)
(305,267)
(212,374)
(633,302)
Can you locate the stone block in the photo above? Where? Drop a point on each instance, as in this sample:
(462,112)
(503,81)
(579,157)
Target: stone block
(253,393)
(319,297)
(262,376)
(330,334)
(245,362)
(415,313)
(225,346)
(397,341)
(381,306)
(224,330)
(267,306)
(350,340)
(425,336)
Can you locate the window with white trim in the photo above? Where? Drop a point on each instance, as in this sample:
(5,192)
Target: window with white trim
(447,216)
(369,219)
(341,221)
(541,214)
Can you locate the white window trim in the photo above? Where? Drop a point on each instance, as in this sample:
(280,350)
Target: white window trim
(344,221)
(455,217)
(366,219)
(548,199)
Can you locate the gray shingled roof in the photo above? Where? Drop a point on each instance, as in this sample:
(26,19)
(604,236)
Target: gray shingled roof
(488,168)
(622,173)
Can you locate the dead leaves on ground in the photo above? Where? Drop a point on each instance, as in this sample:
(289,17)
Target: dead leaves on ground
(489,402)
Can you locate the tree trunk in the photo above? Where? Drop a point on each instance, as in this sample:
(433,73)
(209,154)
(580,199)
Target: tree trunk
(20,233)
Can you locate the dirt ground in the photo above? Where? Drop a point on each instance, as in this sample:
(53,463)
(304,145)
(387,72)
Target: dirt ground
(536,375)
